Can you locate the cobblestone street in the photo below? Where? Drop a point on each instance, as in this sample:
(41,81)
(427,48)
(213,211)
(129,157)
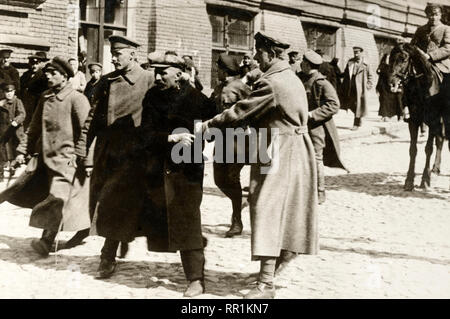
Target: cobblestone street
(377,241)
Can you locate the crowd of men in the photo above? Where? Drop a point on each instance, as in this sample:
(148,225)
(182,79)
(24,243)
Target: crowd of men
(100,154)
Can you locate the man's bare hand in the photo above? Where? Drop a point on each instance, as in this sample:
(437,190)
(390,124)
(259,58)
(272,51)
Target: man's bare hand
(20,159)
(183,138)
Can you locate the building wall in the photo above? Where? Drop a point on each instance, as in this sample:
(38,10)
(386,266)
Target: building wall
(52,27)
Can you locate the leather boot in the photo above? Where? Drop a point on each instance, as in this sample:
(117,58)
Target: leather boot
(40,247)
(105,269)
(261,291)
(236,226)
(123,250)
(195,288)
(77,239)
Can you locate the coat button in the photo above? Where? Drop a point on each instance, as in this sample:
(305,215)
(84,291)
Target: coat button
(168,171)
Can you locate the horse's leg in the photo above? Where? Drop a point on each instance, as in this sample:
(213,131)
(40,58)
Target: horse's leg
(413,132)
(437,160)
(426,175)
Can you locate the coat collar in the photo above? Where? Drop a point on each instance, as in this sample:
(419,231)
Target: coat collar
(314,77)
(277,67)
(131,76)
(61,95)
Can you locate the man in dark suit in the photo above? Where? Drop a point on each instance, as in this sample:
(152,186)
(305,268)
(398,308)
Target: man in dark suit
(8,73)
(433,39)
(33,83)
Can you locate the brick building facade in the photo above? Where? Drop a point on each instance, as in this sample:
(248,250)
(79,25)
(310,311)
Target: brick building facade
(204,28)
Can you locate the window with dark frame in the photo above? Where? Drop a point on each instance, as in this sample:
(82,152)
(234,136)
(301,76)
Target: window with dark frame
(100,19)
(232,32)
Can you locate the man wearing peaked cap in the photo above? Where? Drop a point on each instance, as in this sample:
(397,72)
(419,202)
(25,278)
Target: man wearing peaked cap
(283,228)
(33,83)
(117,192)
(122,42)
(227,175)
(50,190)
(8,73)
(323,103)
(357,82)
(174,182)
(433,39)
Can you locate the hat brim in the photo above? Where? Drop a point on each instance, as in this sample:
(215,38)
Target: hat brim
(165,66)
(36,57)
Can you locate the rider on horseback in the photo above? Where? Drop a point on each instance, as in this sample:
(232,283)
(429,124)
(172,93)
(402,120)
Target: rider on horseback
(433,40)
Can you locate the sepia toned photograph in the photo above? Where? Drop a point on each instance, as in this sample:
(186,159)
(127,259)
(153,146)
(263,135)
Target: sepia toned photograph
(224,149)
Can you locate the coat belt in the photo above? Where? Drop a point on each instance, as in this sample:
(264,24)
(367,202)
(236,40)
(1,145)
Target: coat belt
(300,130)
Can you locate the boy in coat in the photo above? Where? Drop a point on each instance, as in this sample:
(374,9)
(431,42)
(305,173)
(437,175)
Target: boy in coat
(12,115)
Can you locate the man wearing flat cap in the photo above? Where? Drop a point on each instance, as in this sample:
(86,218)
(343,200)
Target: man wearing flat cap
(95,70)
(323,103)
(357,81)
(227,175)
(8,73)
(433,40)
(282,198)
(117,193)
(56,190)
(174,184)
(33,83)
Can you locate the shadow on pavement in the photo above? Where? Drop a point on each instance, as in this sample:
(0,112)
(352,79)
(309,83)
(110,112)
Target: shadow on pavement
(385,254)
(131,273)
(380,184)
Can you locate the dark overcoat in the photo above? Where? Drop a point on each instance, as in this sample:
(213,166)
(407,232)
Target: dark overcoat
(283,191)
(390,103)
(174,189)
(357,81)
(32,86)
(10,136)
(50,184)
(116,192)
(323,103)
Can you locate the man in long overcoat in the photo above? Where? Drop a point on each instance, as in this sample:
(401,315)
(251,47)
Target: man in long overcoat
(117,192)
(434,40)
(56,190)
(227,175)
(33,83)
(323,103)
(174,187)
(12,114)
(357,81)
(283,190)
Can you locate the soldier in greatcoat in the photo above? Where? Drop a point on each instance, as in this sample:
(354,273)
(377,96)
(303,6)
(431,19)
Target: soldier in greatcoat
(51,185)
(283,189)
(33,83)
(117,190)
(174,186)
(323,103)
(227,174)
(433,39)
(357,82)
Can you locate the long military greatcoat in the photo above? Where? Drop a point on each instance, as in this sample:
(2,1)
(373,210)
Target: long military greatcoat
(51,184)
(357,81)
(117,190)
(323,103)
(174,190)
(283,193)
(10,136)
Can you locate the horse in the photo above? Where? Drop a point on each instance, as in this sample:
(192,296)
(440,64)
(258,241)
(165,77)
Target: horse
(411,71)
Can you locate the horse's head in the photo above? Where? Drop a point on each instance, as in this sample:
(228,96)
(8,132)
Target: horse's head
(399,65)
